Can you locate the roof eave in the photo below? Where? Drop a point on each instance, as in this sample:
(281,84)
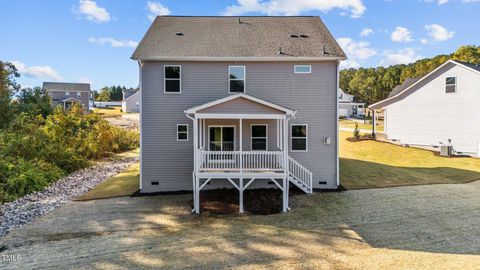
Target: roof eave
(249,59)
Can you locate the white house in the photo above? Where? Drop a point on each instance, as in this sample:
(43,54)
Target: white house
(440,108)
(131,100)
(347,107)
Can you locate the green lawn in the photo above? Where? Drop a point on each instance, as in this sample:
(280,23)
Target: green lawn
(372,164)
(351,124)
(364,164)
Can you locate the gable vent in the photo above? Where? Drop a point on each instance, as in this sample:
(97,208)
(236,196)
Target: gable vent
(179,33)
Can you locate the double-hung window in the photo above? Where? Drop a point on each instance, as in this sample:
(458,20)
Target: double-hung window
(450,84)
(67,94)
(259,137)
(173,78)
(299,137)
(182,132)
(79,95)
(236,79)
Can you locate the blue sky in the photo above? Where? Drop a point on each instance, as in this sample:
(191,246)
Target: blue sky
(92,40)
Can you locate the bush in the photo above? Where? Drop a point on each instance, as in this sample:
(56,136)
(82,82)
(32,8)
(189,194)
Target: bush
(36,151)
(19,177)
(356,132)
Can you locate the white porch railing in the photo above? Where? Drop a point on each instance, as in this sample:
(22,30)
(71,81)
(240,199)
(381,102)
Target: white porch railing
(237,161)
(301,177)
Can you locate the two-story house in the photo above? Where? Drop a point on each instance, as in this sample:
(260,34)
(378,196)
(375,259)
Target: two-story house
(65,94)
(438,109)
(248,102)
(348,107)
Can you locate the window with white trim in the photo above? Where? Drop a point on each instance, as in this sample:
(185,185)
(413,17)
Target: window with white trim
(67,94)
(79,95)
(236,79)
(173,77)
(259,137)
(450,84)
(298,137)
(302,69)
(182,132)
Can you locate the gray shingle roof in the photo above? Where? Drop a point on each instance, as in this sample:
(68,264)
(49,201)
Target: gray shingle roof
(470,65)
(61,86)
(244,36)
(399,88)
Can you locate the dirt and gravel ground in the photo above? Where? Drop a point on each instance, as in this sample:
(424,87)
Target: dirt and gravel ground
(419,227)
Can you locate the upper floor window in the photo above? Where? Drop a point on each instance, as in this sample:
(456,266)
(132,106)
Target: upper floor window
(67,94)
(173,77)
(450,84)
(302,69)
(236,79)
(299,137)
(79,95)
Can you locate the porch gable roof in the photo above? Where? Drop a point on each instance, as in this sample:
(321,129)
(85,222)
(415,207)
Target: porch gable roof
(249,98)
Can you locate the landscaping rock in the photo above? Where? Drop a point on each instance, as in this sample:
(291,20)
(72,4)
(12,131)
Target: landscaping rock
(24,210)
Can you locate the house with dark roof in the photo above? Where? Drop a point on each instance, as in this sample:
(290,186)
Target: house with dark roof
(439,109)
(131,100)
(66,94)
(238,102)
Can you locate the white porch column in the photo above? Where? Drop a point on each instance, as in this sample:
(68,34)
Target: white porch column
(196,192)
(240,189)
(374,124)
(241,144)
(285,194)
(286,181)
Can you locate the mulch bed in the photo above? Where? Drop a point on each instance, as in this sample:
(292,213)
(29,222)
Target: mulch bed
(255,201)
(362,138)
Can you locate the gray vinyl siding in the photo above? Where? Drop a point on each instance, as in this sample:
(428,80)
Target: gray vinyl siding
(170,163)
(60,95)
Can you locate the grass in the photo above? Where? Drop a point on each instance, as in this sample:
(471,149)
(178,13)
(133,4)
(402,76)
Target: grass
(351,124)
(372,164)
(108,111)
(123,184)
(364,164)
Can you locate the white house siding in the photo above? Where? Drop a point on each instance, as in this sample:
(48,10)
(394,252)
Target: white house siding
(132,103)
(429,115)
(170,163)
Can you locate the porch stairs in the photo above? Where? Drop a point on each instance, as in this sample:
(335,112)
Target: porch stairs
(300,176)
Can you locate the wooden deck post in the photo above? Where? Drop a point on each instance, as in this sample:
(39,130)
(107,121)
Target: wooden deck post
(285,194)
(196,197)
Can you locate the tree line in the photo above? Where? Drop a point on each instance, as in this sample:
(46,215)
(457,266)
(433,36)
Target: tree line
(371,85)
(112,93)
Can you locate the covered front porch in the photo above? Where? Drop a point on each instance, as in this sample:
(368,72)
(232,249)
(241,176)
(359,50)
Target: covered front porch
(244,140)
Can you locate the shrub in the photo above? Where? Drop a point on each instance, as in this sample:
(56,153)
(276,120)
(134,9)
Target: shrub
(19,177)
(356,132)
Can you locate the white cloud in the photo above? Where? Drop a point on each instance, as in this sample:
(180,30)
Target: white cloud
(438,32)
(366,32)
(403,56)
(116,43)
(401,34)
(38,72)
(93,12)
(424,41)
(156,9)
(355,8)
(356,51)
(439,2)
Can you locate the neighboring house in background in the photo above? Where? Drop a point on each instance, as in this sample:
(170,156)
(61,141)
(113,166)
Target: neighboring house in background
(348,107)
(237,101)
(131,100)
(438,109)
(66,94)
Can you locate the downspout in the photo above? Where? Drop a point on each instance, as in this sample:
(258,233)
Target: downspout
(194,177)
(337,127)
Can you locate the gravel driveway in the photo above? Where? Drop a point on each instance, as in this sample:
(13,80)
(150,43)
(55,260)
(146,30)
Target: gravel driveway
(425,227)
